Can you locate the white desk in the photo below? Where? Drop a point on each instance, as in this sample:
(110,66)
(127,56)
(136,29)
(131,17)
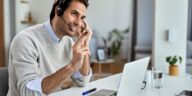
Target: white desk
(171,86)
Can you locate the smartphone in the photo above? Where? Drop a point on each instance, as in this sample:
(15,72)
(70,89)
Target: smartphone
(186,93)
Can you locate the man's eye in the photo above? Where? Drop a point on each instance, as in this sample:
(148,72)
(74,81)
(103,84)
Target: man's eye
(74,14)
(82,18)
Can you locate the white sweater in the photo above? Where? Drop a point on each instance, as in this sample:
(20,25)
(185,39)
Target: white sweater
(33,54)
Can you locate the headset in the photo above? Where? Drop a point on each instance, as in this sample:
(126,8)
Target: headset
(60,9)
(60,12)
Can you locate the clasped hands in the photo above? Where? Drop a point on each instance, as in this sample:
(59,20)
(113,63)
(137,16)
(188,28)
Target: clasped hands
(81,46)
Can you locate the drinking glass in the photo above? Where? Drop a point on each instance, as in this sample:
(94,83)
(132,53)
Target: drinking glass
(157,78)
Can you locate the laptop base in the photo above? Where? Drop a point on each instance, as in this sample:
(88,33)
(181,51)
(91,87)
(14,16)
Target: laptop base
(104,92)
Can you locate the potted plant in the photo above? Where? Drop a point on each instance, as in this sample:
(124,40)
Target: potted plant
(115,37)
(173,67)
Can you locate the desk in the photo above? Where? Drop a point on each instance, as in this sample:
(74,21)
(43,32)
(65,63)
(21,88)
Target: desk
(108,61)
(171,86)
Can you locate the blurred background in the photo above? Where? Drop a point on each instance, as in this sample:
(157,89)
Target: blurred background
(123,30)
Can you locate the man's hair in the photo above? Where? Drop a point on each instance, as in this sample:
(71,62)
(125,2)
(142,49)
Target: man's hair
(65,5)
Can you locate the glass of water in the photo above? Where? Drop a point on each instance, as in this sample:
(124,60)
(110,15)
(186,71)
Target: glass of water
(157,78)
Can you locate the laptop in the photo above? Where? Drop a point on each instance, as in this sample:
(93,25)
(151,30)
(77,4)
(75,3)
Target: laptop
(131,80)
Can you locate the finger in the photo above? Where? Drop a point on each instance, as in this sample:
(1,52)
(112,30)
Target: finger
(83,33)
(83,49)
(87,41)
(78,33)
(80,41)
(88,29)
(85,52)
(86,48)
(84,26)
(85,30)
(81,30)
(85,23)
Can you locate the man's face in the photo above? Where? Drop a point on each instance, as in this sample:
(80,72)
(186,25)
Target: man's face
(73,19)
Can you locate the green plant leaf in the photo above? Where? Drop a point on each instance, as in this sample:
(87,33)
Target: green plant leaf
(168,59)
(173,59)
(117,33)
(180,59)
(115,48)
(125,31)
(116,37)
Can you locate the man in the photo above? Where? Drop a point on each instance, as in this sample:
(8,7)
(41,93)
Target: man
(44,56)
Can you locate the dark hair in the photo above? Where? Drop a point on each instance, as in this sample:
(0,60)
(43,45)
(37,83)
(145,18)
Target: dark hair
(65,5)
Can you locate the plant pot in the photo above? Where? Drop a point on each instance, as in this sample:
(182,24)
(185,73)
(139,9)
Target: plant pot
(173,70)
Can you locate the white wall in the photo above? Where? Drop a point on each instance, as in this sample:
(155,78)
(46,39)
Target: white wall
(170,15)
(40,10)
(22,10)
(104,15)
(144,22)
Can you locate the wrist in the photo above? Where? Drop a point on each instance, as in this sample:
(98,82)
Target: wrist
(70,68)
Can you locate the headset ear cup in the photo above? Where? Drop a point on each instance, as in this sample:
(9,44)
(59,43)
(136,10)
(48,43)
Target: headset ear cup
(59,11)
(60,8)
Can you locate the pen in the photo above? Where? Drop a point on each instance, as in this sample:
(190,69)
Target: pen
(89,91)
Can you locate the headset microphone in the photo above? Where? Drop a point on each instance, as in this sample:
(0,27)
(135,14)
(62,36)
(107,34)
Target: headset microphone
(68,25)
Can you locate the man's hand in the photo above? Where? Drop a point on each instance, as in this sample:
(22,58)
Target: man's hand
(88,29)
(81,47)
(85,28)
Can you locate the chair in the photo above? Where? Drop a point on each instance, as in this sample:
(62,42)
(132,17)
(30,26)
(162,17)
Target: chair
(3,81)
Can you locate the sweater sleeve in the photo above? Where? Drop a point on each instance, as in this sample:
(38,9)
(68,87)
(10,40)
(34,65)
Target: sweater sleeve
(81,80)
(25,55)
